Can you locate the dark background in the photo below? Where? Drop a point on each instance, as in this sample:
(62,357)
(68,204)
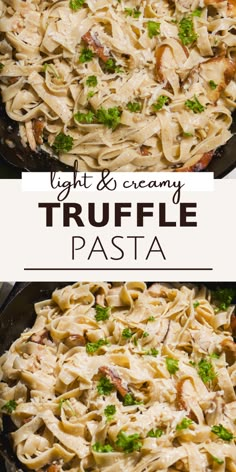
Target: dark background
(8,172)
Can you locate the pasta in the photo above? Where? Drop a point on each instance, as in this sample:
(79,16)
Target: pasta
(124,377)
(120,85)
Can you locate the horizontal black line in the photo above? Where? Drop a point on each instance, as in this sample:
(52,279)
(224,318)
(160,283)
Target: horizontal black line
(118,268)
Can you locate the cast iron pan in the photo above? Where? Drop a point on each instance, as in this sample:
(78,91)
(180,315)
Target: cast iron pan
(25,159)
(16,315)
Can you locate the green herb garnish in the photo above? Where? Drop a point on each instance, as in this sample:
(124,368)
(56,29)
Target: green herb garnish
(187,135)
(129,400)
(86,55)
(127,333)
(93,347)
(109,117)
(161,101)
(102,313)
(222,432)
(104,386)
(196,304)
(155,433)
(194,105)
(212,84)
(135,341)
(63,143)
(10,406)
(91,94)
(217,460)
(111,66)
(128,443)
(145,334)
(76,4)
(172,365)
(1,66)
(84,117)
(97,447)
(197,12)
(153,352)
(186,31)
(153,28)
(206,371)
(151,318)
(134,12)
(184,424)
(134,107)
(224,297)
(214,355)
(192,363)
(110,411)
(92,81)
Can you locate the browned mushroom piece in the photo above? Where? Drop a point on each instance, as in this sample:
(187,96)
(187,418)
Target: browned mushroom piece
(185,396)
(229,347)
(201,164)
(75,340)
(27,420)
(145,150)
(165,61)
(13,80)
(39,337)
(96,46)
(38,126)
(54,468)
(115,380)
(218,70)
(231,10)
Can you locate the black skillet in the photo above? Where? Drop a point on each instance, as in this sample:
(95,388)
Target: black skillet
(16,315)
(25,159)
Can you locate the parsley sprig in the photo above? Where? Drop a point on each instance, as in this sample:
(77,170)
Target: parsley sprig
(206,370)
(186,31)
(161,101)
(98,447)
(134,12)
(92,81)
(222,432)
(129,400)
(153,28)
(155,433)
(172,365)
(102,313)
(76,4)
(194,105)
(128,443)
(110,411)
(10,406)
(63,143)
(104,386)
(223,298)
(86,55)
(93,347)
(184,424)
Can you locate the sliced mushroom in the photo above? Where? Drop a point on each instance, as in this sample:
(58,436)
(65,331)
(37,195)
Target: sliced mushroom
(96,46)
(201,164)
(54,468)
(39,337)
(145,150)
(38,127)
(115,380)
(229,347)
(167,62)
(75,340)
(219,70)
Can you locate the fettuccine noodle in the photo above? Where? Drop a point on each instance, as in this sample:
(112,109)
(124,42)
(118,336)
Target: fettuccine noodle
(123,85)
(121,377)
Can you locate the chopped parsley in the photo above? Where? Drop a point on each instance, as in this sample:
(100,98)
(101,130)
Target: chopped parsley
(186,31)
(134,12)
(97,447)
(194,105)
(86,55)
(110,411)
(214,355)
(109,117)
(128,443)
(192,363)
(134,107)
(152,352)
(102,313)
(222,432)
(127,333)
(111,66)
(217,460)
(223,297)
(129,400)
(187,135)
(91,94)
(63,143)
(206,370)
(197,12)
(84,117)
(76,4)
(135,341)
(172,365)
(153,28)
(92,81)
(104,386)
(155,433)
(151,318)
(161,101)
(145,334)
(212,84)
(1,66)
(184,424)
(196,303)
(93,347)
(10,406)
